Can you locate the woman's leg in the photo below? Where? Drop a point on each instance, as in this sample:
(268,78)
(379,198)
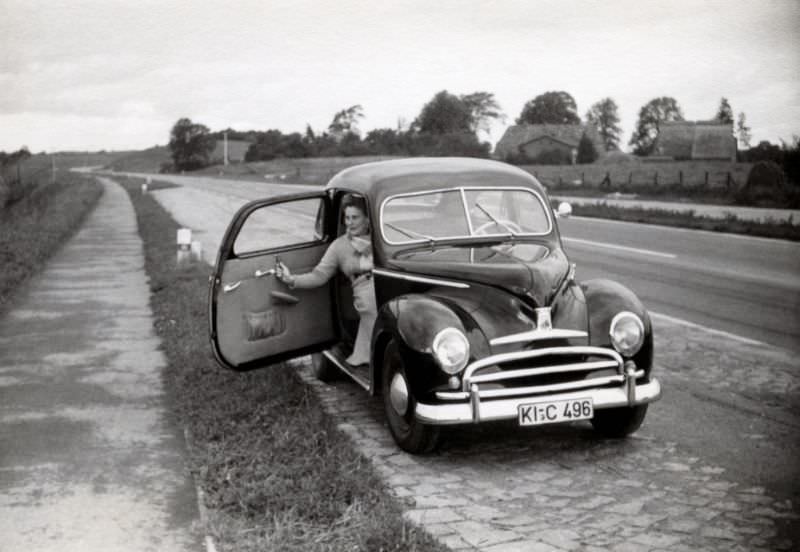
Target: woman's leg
(364,302)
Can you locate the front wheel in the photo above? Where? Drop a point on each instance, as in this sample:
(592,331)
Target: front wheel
(619,422)
(410,434)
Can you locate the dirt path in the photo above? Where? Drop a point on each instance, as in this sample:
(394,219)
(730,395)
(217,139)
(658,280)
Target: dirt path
(89,458)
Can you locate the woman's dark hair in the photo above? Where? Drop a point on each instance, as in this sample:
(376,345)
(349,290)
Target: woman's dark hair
(358,202)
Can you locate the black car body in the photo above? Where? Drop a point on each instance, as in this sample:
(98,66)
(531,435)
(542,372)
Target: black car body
(479,314)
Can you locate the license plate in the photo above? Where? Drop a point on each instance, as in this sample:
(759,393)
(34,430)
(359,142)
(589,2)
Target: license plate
(552,412)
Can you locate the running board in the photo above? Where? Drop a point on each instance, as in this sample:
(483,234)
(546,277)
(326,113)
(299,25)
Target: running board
(361,377)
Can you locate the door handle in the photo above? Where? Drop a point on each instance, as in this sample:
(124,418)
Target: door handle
(261,273)
(227,288)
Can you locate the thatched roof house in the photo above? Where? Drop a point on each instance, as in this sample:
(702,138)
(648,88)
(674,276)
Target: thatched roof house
(683,140)
(531,141)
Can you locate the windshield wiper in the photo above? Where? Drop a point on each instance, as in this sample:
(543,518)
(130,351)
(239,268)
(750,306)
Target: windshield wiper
(410,233)
(496,221)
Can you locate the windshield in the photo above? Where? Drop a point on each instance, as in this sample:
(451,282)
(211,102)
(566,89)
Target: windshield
(463,213)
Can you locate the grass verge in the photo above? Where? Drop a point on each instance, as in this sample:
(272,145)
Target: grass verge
(784,230)
(276,473)
(33,228)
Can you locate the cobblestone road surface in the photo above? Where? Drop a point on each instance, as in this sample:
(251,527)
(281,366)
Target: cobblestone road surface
(497,488)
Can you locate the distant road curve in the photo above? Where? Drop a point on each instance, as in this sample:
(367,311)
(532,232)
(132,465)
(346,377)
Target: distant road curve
(714,211)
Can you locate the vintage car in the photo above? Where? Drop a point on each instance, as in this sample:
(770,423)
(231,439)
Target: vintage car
(480,317)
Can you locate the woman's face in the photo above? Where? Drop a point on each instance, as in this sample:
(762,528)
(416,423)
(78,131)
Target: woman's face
(355,220)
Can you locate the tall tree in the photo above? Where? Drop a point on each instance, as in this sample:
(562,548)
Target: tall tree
(191,145)
(605,118)
(557,107)
(446,113)
(724,112)
(742,132)
(483,108)
(346,121)
(651,115)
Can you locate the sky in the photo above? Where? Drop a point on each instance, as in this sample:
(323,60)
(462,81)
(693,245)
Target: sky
(116,75)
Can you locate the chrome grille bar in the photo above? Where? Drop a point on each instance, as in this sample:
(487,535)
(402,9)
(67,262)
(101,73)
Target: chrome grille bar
(468,378)
(557,369)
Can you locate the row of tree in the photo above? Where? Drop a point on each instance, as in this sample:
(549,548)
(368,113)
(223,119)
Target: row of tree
(447,125)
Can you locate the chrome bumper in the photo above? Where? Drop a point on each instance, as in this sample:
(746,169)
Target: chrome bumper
(474,410)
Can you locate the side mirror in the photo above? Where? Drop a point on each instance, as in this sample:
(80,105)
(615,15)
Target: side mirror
(564,210)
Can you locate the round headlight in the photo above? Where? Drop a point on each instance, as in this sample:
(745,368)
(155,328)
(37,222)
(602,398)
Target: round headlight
(627,333)
(451,349)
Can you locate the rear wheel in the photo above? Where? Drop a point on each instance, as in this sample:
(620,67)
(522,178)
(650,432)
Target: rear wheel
(323,368)
(410,434)
(619,422)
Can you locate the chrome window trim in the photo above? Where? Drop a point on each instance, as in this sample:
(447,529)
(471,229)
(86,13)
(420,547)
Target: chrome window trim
(462,190)
(420,279)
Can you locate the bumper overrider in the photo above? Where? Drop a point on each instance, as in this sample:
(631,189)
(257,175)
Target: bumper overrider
(472,404)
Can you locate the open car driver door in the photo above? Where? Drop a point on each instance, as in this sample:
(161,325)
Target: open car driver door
(255,320)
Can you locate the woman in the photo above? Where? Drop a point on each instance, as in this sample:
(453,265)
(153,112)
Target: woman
(352,254)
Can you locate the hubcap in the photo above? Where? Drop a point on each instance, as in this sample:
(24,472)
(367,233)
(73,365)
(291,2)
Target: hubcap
(398,394)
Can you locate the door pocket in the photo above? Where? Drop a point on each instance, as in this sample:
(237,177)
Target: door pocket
(263,325)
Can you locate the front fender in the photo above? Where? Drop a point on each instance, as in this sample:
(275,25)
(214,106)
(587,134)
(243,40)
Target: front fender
(606,298)
(414,320)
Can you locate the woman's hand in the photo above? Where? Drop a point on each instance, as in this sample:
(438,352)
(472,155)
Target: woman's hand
(283,274)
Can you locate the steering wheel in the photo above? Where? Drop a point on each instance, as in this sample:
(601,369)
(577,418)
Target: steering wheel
(502,223)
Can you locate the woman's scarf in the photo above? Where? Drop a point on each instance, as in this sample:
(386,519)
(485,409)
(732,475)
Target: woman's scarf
(362,243)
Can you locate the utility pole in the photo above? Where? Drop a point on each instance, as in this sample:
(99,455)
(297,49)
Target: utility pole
(225,148)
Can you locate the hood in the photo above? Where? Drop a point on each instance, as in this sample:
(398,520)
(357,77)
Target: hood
(529,269)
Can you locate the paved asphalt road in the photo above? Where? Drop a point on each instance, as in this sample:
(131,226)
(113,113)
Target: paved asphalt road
(746,286)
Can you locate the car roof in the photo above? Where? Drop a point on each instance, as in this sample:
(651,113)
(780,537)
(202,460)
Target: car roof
(380,178)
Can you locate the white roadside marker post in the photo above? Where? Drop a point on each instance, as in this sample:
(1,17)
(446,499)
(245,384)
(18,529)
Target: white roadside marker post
(184,246)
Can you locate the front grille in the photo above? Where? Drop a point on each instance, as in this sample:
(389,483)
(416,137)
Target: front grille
(539,371)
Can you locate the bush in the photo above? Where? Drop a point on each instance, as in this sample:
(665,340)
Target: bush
(553,157)
(766,185)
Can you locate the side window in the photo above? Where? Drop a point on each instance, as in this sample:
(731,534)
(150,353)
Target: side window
(281,225)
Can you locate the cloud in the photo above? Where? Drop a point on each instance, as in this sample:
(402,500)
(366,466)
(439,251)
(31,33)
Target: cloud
(283,64)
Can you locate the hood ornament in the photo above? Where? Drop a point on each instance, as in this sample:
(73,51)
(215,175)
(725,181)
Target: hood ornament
(543,321)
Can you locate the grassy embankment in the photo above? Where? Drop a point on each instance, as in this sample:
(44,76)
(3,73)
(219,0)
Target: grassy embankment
(34,227)
(276,473)
(784,230)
